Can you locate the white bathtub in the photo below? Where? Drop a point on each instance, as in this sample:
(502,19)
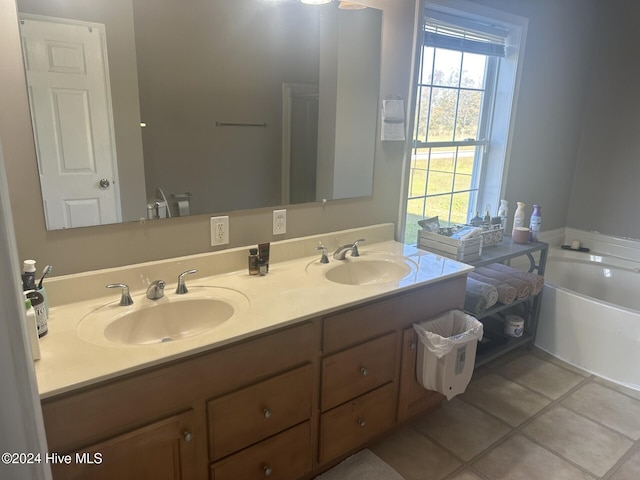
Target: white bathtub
(590,314)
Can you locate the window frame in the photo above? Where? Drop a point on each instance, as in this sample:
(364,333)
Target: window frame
(493,171)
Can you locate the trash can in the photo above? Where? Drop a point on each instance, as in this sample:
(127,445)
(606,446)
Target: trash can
(447,352)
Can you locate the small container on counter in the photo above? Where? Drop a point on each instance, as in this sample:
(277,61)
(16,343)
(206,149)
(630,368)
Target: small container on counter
(253,261)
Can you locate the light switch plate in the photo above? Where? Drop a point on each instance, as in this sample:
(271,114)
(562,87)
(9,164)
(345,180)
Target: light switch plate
(219,231)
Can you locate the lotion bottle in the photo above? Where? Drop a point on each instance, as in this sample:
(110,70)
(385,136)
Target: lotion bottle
(518,217)
(534,224)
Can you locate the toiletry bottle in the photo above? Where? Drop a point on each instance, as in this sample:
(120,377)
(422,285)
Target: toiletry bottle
(32,330)
(518,217)
(253,261)
(29,275)
(487,216)
(476,221)
(534,224)
(37,302)
(503,213)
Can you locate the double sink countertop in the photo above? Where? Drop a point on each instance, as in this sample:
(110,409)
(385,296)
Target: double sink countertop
(294,290)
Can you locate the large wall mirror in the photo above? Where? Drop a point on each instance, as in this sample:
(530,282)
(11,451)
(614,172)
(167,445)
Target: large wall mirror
(157,108)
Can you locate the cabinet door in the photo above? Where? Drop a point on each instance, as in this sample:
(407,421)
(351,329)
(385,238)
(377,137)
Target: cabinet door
(164,450)
(413,398)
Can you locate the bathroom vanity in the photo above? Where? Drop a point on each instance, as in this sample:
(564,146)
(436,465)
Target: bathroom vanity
(288,400)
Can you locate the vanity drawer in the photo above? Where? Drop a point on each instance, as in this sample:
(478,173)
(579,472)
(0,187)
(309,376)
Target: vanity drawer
(352,424)
(358,370)
(254,413)
(359,324)
(284,457)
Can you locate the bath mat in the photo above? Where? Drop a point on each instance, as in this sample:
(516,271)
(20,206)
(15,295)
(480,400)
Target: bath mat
(364,465)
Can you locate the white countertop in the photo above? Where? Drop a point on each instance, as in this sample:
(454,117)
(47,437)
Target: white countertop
(291,292)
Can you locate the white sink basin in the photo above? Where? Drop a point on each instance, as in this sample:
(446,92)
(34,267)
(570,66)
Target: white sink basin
(367,269)
(173,317)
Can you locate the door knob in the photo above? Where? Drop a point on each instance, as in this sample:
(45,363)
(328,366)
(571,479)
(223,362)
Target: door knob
(104,183)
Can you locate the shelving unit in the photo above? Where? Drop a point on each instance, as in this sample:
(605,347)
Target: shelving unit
(528,308)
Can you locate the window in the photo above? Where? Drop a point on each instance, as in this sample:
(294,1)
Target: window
(464,99)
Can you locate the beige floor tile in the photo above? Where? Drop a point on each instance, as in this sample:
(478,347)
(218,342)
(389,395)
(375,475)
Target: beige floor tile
(584,442)
(608,407)
(556,361)
(614,386)
(466,475)
(541,376)
(629,470)
(505,399)
(520,459)
(462,429)
(414,456)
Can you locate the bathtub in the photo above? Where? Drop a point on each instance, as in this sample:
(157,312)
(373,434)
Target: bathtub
(590,314)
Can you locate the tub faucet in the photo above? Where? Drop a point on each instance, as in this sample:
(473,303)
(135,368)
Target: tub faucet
(156,290)
(340,252)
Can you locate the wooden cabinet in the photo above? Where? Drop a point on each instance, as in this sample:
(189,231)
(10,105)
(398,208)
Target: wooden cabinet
(254,413)
(368,374)
(163,450)
(355,422)
(286,456)
(358,370)
(412,397)
(283,405)
(122,416)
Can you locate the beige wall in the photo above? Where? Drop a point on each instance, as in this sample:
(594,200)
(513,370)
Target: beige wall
(113,245)
(605,194)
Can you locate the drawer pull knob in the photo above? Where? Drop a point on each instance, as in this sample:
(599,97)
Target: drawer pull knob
(267,471)
(412,345)
(364,371)
(188,436)
(362,422)
(267,413)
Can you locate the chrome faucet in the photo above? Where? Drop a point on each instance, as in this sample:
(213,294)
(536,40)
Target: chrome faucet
(323,257)
(182,287)
(125,298)
(340,252)
(156,290)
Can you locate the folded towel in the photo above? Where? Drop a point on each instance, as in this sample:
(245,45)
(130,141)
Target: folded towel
(475,303)
(524,288)
(536,281)
(506,293)
(484,289)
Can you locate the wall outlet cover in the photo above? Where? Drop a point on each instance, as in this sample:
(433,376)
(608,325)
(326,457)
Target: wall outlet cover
(279,222)
(219,231)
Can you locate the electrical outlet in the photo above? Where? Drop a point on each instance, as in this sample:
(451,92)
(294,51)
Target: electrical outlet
(219,231)
(279,222)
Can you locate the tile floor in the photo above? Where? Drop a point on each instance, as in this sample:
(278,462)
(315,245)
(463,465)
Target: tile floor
(524,416)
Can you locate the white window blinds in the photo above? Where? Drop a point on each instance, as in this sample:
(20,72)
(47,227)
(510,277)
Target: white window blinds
(442,30)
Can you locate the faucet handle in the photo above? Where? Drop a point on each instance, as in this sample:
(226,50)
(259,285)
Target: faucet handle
(182,287)
(323,258)
(125,299)
(354,250)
